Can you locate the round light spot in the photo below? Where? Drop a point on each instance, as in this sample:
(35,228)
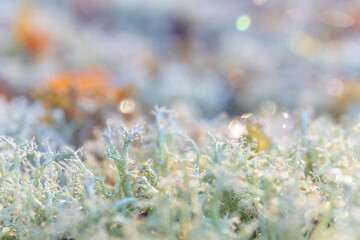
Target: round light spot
(259,2)
(335,87)
(236,129)
(336,18)
(268,108)
(243,23)
(236,77)
(284,175)
(127,106)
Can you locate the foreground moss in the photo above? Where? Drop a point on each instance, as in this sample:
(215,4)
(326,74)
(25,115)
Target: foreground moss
(174,189)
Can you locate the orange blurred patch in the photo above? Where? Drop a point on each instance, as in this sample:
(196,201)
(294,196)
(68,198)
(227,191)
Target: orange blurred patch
(28,33)
(84,84)
(93,88)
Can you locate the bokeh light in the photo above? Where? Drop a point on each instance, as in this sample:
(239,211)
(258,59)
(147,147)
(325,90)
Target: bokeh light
(335,87)
(268,108)
(127,106)
(259,2)
(336,18)
(236,129)
(243,23)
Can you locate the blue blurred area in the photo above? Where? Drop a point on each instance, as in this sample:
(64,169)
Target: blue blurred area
(211,56)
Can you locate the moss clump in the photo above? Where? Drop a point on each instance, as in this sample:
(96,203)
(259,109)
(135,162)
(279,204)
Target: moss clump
(175,188)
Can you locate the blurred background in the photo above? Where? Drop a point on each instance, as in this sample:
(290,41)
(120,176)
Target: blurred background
(92,58)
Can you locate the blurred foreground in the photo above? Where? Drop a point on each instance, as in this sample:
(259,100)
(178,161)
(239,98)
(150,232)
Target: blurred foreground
(93,60)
